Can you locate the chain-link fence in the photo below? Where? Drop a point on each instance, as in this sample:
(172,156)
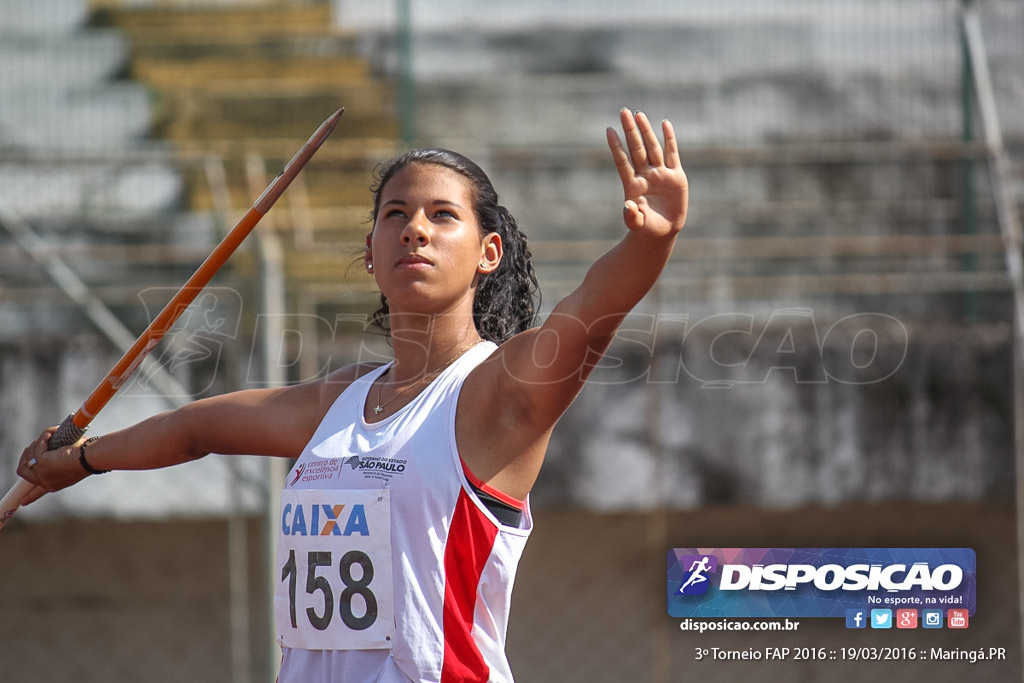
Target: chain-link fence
(840,197)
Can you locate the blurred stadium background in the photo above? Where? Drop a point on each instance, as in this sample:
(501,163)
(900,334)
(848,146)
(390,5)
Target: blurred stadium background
(829,360)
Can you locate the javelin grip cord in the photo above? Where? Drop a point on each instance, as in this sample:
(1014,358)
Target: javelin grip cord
(67,433)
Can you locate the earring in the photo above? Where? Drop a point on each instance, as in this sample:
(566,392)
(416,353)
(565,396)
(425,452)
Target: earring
(369,267)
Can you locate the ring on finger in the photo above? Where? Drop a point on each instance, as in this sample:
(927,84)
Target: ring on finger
(31,463)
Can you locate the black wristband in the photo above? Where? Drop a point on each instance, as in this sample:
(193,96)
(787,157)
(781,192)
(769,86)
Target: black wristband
(85,463)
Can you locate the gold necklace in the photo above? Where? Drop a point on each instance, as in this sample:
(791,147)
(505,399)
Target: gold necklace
(380,387)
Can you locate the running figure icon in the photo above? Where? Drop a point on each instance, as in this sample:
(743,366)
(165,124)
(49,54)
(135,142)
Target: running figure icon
(697,571)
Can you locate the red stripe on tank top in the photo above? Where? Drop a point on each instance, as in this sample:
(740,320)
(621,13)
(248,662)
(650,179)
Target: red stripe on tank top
(478,484)
(470,541)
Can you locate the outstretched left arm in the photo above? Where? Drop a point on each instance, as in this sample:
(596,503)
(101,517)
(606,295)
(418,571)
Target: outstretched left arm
(534,376)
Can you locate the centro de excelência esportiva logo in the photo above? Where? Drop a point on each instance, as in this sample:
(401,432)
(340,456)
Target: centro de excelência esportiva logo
(817,582)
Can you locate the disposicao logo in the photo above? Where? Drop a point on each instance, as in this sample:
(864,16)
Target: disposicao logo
(818,582)
(696,581)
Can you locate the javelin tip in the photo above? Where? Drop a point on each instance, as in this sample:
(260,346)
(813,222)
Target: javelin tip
(292,168)
(327,127)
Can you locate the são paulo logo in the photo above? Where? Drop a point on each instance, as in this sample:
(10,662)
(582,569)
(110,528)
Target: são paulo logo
(391,465)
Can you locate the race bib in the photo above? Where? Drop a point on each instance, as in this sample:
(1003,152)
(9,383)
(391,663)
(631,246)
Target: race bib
(335,589)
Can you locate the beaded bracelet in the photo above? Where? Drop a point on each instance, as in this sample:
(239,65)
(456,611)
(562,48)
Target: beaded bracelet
(85,463)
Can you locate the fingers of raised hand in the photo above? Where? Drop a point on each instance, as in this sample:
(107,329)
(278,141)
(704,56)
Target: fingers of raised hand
(621,157)
(652,147)
(634,138)
(641,139)
(672,159)
(641,149)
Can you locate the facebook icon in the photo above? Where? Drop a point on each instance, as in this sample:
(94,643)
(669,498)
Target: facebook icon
(856,618)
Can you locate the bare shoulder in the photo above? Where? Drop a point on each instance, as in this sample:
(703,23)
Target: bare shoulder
(496,435)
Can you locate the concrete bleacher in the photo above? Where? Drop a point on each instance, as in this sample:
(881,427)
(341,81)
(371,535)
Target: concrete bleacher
(251,83)
(80,169)
(78,162)
(58,88)
(75,136)
(823,145)
(732,72)
(790,114)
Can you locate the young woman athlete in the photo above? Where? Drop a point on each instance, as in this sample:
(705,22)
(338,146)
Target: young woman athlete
(405,514)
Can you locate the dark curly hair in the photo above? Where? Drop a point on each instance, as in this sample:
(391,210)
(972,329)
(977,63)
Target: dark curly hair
(504,301)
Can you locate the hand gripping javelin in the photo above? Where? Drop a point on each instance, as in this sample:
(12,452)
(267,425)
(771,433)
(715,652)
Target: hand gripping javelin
(71,430)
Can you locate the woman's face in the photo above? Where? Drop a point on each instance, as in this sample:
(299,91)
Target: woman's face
(427,249)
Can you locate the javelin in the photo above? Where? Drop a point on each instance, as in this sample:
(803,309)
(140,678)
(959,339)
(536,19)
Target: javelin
(71,430)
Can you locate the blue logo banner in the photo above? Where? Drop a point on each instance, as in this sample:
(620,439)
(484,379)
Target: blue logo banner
(818,582)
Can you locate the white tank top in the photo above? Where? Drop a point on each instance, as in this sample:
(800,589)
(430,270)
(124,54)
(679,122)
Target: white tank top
(452,562)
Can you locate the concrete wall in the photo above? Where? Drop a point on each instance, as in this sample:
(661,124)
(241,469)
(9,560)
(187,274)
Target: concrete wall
(788,410)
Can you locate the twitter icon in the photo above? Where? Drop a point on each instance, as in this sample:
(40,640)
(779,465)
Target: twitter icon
(881,618)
